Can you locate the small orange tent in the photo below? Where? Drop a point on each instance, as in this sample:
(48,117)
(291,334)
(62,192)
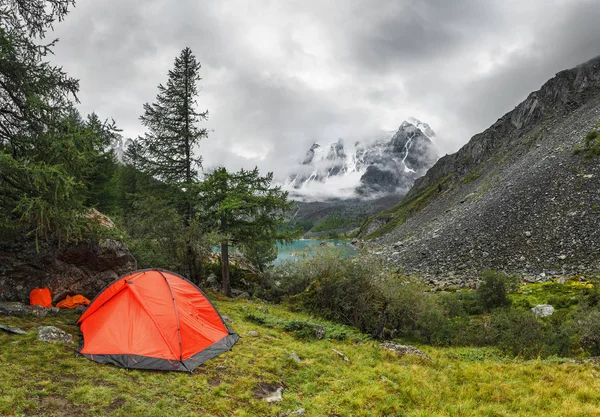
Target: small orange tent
(153,319)
(40,297)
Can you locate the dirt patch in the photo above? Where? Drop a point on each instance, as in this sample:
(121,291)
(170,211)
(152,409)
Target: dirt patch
(116,404)
(107,384)
(55,405)
(214,381)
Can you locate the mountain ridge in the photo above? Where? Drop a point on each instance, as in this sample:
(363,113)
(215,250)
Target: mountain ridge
(511,198)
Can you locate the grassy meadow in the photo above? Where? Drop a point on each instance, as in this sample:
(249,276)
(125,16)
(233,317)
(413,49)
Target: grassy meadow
(41,379)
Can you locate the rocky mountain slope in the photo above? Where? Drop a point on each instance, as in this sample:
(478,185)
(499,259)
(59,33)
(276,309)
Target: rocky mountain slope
(522,196)
(390,164)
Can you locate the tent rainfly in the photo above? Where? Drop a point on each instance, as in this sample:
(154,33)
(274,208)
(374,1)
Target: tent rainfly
(153,319)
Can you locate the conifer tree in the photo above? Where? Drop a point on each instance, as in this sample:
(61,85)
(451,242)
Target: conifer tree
(45,150)
(245,209)
(34,95)
(166,150)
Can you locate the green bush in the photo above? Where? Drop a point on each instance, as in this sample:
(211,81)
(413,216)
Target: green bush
(493,290)
(435,328)
(519,333)
(362,292)
(407,302)
(588,329)
(344,290)
(358,291)
(591,145)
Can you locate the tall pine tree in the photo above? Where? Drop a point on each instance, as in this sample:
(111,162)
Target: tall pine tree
(167,148)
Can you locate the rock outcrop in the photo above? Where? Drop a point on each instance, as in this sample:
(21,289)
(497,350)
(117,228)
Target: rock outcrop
(516,198)
(79,268)
(53,334)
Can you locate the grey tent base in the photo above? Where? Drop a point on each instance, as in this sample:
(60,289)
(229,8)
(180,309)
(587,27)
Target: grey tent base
(160,364)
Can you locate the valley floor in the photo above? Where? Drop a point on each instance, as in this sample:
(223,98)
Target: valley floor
(41,379)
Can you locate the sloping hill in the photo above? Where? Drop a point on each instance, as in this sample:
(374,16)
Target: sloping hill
(41,379)
(522,196)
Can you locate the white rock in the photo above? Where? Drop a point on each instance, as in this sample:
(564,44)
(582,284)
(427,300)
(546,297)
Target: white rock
(543,310)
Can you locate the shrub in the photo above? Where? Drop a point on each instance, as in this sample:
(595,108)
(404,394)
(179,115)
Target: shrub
(469,301)
(358,291)
(407,302)
(436,328)
(590,296)
(519,333)
(362,292)
(344,290)
(592,144)
(588,328)
(492,291)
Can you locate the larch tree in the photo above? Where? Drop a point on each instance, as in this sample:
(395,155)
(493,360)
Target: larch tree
(166,150)
(46,151)
(245,209)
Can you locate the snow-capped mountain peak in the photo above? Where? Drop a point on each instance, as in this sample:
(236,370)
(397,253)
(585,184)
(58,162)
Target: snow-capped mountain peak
(388,163)
(423,127)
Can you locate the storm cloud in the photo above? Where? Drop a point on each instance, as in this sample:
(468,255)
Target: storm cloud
(280,75)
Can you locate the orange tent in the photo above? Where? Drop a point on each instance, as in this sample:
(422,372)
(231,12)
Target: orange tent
(72,302)
(153,319)
(40,297)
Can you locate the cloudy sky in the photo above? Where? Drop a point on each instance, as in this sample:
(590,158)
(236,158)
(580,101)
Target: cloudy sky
(279,75)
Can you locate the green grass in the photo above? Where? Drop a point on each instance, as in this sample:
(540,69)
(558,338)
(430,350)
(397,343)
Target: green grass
(591,145)
(558,295)
(406,208)
(40,379)
(472,176)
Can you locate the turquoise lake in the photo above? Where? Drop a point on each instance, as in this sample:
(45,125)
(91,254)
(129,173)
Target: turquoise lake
(296,249)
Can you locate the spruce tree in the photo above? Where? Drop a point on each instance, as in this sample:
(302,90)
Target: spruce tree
(34,95)
(167,148)
(172,123)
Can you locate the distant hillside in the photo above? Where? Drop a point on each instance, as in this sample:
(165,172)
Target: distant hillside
(334,218)
(522,196)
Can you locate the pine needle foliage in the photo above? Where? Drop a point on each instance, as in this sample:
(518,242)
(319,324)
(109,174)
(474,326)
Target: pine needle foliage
(172,122)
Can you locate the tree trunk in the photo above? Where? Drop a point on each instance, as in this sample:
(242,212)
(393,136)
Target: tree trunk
(191,264)
(225,260)
(225,268)
(378,332)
